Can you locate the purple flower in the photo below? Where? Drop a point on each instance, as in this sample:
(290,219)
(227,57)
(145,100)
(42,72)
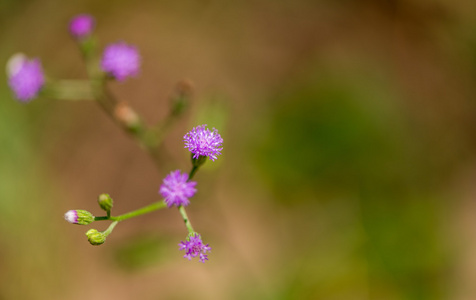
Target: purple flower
(194,247)
(81,26)
(121,60)
(25,77)
(176,189)
(203,142)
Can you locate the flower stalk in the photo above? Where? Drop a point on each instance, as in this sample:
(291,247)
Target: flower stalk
(120,61)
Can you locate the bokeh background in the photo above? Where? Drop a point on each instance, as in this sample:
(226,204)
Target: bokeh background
(349,161)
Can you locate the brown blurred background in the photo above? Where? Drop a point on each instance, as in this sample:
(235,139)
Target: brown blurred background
(348,166)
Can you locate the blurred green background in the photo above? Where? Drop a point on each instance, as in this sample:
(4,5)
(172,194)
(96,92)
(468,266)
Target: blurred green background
(348,166)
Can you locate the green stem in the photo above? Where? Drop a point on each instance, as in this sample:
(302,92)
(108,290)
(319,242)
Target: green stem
(110,228)
(185,219)
(144,210)
(196,163)
(72,90)
(192,172)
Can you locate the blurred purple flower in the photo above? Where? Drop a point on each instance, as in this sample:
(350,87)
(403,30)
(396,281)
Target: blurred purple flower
(194,247)
(81,26)
(176,190)
(203,142)
(25,77)
(121,60)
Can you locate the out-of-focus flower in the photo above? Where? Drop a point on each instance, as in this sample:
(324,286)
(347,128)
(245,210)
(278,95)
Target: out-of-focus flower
(121,60)
(25,77)
(176,190)
(194,247)
(203,142)
(81,26)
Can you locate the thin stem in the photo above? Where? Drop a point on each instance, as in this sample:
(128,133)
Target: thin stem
(110,228)
(185,219)
(192,172)
(72,90)
(144,210)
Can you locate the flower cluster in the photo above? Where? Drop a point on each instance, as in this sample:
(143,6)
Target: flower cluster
(121,61)
(203,142)
(194,247)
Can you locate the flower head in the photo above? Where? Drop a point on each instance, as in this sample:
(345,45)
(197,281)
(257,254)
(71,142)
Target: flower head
(203,142)
(176,189)
(121,60)
(25,77)
(81,26)
(194,247)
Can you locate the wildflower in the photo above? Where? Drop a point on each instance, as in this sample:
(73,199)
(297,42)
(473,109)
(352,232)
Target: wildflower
(81,26)
(121,60)
(203,142)
(78,216)
(25,77)
(176,189)
(194,247)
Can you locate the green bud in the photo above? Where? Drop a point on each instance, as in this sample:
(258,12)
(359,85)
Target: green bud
(79,216)
(105,202)
(95,237)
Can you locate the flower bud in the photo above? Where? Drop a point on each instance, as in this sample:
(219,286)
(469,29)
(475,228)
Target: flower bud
(79,216)
(95,237)
(127,116)
(105,202)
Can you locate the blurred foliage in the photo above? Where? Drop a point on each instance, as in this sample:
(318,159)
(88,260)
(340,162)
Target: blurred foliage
(139,252)
(333,138)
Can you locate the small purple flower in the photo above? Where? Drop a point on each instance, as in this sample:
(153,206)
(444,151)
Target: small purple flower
(121,60)
(176,189)
(203,142)
(25,77)
(81,26)
(194,247)
(79,216)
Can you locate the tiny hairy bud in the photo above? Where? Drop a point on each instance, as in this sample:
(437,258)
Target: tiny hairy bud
(182,95)
(95,237)
(126,116)
(105,202)
(79,216)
